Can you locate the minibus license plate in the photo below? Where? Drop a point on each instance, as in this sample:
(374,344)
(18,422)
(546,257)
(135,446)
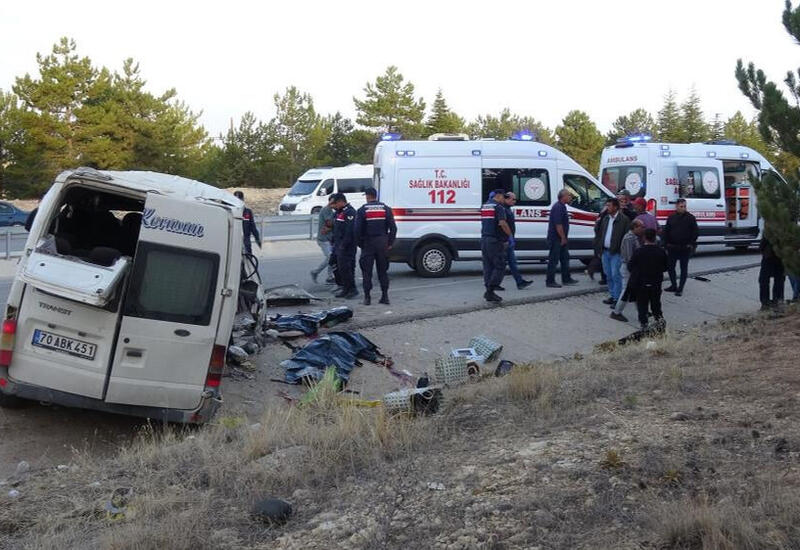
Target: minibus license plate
(55,342)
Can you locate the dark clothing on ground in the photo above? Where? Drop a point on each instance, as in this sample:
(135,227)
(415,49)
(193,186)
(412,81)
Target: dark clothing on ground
(375,231)
(558,216)
(771,268)
(249,229)
(344,247)
(647,267)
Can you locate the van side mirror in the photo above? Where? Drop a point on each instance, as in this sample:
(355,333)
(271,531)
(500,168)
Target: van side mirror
(322,192)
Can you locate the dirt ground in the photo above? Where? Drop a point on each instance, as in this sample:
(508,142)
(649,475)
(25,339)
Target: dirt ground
(263,202)
(690,441)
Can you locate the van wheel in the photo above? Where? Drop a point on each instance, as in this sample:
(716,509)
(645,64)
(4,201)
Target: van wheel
(316,209)
(433,260)
(12,401)
(411,265)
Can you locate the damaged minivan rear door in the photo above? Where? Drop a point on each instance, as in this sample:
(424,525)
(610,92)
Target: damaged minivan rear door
(172,307)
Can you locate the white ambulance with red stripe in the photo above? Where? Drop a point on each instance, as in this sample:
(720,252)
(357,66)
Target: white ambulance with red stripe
(715,178)
(436,189)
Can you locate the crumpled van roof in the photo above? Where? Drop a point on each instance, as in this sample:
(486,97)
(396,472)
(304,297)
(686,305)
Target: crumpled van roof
(164,184)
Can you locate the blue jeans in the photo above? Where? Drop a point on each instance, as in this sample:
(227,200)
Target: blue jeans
(795,282)
(558,253)
(611,265)
(513,267)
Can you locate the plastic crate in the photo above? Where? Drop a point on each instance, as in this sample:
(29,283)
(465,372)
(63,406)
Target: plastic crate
(450,371)
(403,400)
(486,347)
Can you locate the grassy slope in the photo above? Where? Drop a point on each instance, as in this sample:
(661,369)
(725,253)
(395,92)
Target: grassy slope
(691,442)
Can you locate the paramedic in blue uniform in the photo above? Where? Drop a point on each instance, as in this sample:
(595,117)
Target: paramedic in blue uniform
(375,232)
(249,228)
(344,245)
(495,240)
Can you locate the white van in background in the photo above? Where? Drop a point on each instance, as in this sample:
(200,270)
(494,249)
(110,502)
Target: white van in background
(436,189)
(310,192)
(125,296)
(715,178)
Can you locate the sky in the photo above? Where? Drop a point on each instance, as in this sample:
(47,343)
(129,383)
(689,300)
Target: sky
(540,58)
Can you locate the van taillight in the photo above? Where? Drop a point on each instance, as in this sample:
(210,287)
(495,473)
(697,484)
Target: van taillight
(7,341)
(215,367)
(651,206)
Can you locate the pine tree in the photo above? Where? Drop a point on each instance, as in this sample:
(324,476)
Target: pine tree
(695,127)
(504,125)
(442,119)
(638,121)
(779,125)
(669,120)
(579,138)
(389,105)
(717,129)
(746,133)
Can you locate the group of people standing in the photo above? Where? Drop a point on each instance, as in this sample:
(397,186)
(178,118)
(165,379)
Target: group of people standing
(342,229)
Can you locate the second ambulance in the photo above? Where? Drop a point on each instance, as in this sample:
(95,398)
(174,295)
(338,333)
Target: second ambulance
(715,178)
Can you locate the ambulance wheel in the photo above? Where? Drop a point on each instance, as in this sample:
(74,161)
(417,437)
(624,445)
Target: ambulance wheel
(12,401)
(433,260)
(316,210)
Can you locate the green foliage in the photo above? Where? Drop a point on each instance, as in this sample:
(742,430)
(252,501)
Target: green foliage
(779,126)
(389,105)
(579,138)
(694,126)
(669,125)
(506,123)
(745,133)
(442,119)
(346,144)
(638,121)
(717,128)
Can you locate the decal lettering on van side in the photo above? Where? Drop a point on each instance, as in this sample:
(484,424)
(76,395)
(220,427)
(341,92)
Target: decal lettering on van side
(57,309)
(613,160)
(151,220)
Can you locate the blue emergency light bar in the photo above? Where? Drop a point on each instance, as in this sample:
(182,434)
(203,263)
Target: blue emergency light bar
(523,135)
(635,138)
(391,136)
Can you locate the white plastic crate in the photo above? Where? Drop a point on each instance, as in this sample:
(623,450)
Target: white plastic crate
(486,347)
(451,371)
(402,400)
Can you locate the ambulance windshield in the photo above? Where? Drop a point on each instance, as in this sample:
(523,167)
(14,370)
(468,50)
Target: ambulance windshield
(303,187)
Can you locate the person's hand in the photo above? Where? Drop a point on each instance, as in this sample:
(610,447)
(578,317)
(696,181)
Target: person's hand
(563,241)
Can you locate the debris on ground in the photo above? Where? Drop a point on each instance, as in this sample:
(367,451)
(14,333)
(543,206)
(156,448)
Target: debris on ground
(309,323)
(504,367)
(423,401)
(340,350)
(288,295)
(272,510)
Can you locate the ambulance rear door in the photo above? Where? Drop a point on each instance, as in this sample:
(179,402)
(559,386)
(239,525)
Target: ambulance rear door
(171,312)
(700,183)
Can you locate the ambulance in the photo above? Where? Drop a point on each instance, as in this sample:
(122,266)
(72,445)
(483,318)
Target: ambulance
(436,188)
(125,296)
(310,192)
(715,178)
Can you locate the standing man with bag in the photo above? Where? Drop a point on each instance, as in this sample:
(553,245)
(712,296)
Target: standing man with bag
(495,240)
(375,231)
(680,239)
(344,245)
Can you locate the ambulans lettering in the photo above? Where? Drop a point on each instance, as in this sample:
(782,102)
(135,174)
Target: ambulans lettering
(616,160)
(151,220)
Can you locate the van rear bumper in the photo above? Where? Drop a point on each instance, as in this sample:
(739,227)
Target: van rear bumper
(209,403)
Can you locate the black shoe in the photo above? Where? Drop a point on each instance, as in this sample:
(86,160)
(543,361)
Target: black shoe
(571,282)
(552,285)
(678,293)
(490,296)
(384,299)
(602,282)
(330,281)
(367,301)
(524,284)
(352,293)
(609,301)
(498,287)
(671,288)
(618,317)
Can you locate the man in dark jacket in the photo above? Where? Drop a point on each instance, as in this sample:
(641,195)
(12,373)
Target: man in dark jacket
(558,241)
(511,200)
(771,268)
(647,267)
(249,228)
(495,239)
(607,242)
(375,231)
(680,238)
(344,245)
